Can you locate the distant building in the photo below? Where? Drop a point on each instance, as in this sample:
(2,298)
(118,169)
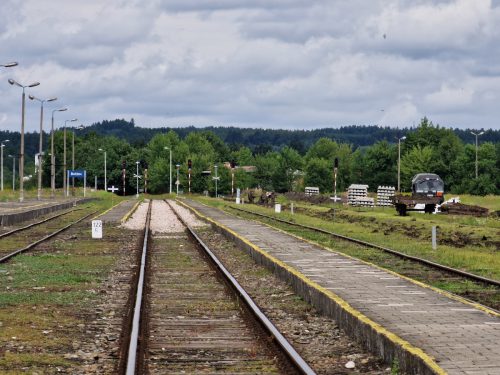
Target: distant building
(246,168)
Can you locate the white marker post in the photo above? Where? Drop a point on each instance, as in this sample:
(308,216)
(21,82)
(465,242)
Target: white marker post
(96,229)
(434,239)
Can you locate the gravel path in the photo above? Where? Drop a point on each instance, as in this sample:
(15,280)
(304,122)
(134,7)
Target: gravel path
(138,219)
(163,219)
(187,215)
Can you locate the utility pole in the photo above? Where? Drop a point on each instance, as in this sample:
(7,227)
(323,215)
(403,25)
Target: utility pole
(476,135)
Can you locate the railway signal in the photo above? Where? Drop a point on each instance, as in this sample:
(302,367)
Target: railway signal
(335,170)
(232,163)
(124,171)
(190,164)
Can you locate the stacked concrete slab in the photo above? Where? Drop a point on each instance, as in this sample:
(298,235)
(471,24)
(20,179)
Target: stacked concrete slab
(357,195)
(384,195)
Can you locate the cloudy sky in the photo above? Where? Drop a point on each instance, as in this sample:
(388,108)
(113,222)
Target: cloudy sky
(259,63)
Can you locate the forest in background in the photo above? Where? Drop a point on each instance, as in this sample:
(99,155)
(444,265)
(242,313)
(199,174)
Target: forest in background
(284,160)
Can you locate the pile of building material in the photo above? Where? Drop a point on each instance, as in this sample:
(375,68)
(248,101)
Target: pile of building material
(357,195)
(463,209)
(384,195)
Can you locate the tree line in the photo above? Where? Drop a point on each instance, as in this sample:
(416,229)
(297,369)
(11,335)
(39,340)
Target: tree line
(289,167)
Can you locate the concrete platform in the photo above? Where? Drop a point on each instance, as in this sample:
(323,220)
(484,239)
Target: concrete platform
(427,331)
(17,212)
(118,212)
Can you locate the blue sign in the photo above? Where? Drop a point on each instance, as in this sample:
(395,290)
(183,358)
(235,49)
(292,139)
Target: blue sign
(79,173)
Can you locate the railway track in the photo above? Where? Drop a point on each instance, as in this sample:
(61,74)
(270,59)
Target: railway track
(186,320)
(20,240)
(492,287)
(20,229)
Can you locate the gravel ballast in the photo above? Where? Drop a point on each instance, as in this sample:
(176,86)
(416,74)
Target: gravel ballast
(163,219)
(316,338)
(186,215)
(138,219)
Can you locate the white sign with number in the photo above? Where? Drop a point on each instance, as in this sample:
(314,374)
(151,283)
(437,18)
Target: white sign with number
(96,228)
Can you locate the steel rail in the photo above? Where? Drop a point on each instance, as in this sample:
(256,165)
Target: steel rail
(465,274)
(33,244)
(136,320)
(37,223)
(271,329)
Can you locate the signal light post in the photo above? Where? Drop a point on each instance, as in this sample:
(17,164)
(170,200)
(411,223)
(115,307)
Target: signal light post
(233,165)
(216,178)
(177,182)
(335,169)
(124,171)
(190,164)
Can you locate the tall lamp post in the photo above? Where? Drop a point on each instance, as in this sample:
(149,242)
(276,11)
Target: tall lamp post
(399,163)
(170,167)
(73,156)
(476,135)
(2,145)
(52,155)
(13,172)
(65,180)
(40,148)
(105,178)
(21,153)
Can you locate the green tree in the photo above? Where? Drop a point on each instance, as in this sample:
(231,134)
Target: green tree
(266,168)
(243,156)
(379,165)
(416,161)
(324,148)
(319,174)
(289,162)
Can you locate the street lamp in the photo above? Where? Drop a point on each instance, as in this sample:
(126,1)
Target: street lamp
(65,180)
(52,155)
(137,179)
(21,154)
(13,172)
(39,194)
(476,135)
(170,167)
(399,162)
(2,145)
(9,65)
(80,127)
(105,180)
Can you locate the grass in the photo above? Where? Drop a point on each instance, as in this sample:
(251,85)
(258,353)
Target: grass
(44,296)
(478,259)
(468,289)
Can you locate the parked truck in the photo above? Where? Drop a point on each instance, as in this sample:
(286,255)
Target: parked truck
(427,191)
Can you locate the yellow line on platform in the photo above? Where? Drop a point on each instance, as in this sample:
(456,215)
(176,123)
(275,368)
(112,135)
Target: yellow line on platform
(416,282)
(109,209)
(428,360)
(128,214)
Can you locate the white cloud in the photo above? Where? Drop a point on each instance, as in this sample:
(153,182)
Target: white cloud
(291,63)
(450,97)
